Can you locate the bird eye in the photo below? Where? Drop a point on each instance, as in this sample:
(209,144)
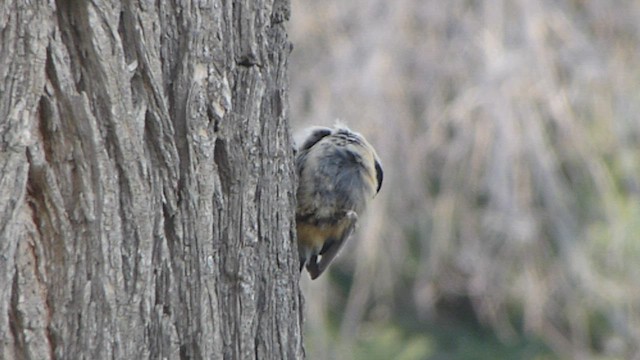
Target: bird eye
(379,175)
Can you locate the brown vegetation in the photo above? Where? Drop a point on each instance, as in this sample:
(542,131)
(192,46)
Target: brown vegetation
(510,140)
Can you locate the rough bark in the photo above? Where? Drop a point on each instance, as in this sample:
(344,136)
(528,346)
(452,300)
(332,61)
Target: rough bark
(146,184)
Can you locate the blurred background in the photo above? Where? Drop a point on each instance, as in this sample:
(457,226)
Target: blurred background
(508,224)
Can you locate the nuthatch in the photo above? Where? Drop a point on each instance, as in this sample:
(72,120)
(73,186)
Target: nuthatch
(338,174)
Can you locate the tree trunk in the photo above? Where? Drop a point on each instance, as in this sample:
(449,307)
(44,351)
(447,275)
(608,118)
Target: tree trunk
(147,186)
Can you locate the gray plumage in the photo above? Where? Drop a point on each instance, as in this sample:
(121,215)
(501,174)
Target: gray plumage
(338,174)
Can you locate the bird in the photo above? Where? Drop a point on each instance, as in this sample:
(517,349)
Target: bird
(339,173)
